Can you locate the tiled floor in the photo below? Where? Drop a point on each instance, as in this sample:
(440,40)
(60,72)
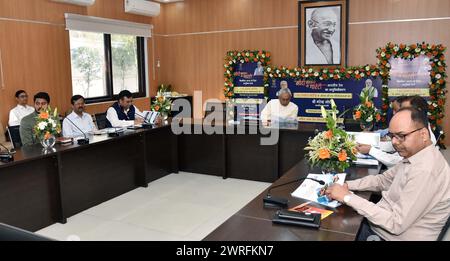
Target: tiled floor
(181,206)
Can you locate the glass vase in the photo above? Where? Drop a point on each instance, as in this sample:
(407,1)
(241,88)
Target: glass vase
(49,142)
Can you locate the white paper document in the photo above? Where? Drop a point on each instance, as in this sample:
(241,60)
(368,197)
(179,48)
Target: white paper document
(313,191)
(367,138)
(366,162)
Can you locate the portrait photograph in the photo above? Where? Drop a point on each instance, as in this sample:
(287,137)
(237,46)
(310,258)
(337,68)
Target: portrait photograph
(322,33)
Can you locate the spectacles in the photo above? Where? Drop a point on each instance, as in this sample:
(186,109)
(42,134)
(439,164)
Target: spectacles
(325,23)
(401,137)
(23,96)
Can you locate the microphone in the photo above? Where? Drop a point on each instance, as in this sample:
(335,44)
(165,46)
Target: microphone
(6,157)
(145,119)
(117,132)
(80,141)
(438,138)
(277,202)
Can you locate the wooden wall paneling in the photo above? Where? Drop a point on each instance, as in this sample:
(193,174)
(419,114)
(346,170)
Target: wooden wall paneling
(38,10)
(36,54)
(370,10)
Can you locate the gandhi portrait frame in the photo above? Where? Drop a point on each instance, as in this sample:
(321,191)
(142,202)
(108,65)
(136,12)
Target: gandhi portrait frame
(307,50)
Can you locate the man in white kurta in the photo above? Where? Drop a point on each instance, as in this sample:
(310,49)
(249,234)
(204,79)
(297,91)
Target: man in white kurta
(280,110)
(21,110)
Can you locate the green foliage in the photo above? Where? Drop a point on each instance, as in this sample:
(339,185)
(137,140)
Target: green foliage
(124,56)
(88,62)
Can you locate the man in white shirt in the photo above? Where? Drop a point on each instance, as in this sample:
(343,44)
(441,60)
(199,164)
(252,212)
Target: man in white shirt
(123,113)
(386,154)
(321,48)
(78,123)
(415,203)
(373,92)
(259,71)
(21,110)
(282,109)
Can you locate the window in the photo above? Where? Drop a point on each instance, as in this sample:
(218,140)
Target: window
(105,64)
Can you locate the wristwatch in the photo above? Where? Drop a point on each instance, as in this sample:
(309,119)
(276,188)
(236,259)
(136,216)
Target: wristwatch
(347,198)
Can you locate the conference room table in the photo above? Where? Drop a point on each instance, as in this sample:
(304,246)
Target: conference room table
(254,221)
(41,188)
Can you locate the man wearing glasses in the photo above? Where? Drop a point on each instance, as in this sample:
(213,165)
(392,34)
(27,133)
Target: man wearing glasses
(386,154)
(21,110)
(321,48)
(415,202)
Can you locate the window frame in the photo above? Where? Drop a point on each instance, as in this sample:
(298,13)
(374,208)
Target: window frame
(141,67)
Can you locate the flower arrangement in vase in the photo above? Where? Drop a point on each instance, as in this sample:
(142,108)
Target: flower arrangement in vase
(366,113)
(47,127)
(332,150)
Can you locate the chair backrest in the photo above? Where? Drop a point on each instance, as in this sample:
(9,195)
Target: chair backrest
(101,121)
(14,136)
(443,235)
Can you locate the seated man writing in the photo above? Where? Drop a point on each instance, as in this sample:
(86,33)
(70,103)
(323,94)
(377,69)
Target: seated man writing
(415,200)
(386,153)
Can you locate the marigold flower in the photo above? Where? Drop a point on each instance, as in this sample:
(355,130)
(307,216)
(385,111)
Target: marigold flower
(357,115)
(378,117)
(329,134)
(324,154)
(342,156)
(44,115)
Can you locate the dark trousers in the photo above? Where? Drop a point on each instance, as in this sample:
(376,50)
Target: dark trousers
(366,233)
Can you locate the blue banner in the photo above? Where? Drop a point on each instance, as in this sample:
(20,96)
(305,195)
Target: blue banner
(310,95)
(249,81)
(249,90)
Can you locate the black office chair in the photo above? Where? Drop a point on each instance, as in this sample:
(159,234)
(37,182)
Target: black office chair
(10,233)
(444,230)
(14,136)
(101,121)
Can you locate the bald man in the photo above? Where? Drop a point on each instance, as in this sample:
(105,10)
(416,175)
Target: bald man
(321,48)
(415,202)
(281,110)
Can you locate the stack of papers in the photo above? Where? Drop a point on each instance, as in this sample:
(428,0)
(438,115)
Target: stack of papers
(367,138)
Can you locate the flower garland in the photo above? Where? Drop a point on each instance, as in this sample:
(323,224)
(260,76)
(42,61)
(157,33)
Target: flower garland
(438,75)
(236,57)
(310,73)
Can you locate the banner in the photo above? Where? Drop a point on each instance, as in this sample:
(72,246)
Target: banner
(249,81)
(309,95)
(249,90)
(410,77)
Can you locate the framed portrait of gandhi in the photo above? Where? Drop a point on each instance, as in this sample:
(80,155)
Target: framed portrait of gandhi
(323,27)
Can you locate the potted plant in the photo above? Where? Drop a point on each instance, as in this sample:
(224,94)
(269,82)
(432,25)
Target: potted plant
(47,127)
(332,150)
(163,105)
(366,113)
